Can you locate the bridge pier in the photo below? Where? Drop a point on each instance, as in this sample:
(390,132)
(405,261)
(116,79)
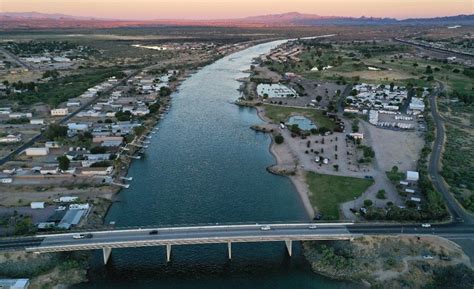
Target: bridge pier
(229,250)
(106,253)
(289,246)
(168,253)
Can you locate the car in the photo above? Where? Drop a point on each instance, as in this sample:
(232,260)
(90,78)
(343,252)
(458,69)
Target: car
(428,257)
(265,228)
(153,232)
(312,227)
(426,225)
(82,236)
(369,177)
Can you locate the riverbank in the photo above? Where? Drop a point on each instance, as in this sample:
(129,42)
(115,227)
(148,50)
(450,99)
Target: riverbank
(391,261)
(287,164)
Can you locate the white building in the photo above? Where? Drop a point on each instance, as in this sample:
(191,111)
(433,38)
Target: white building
(37,205)
(413,176)
(35,152)
(73,103)
(6,181)
(59,112)
(417,104)
(17,115)
(10,139)
(37,121)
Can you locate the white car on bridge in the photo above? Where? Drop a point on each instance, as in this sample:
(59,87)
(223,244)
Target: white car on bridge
(265,228)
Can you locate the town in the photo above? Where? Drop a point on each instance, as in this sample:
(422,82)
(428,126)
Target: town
(310,151)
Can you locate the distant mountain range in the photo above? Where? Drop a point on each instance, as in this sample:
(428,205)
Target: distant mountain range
(12,20)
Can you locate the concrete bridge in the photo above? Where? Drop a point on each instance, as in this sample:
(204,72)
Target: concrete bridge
(217,234)
(106,240)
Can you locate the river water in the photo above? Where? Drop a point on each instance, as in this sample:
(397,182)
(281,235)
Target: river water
(205,165)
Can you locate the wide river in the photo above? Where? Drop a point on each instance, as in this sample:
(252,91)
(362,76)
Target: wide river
(205,165)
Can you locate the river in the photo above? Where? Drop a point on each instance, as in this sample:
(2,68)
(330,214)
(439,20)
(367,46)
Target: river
(205,165)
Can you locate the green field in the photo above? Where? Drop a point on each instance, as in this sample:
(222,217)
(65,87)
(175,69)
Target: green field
(281,113)
(327,192)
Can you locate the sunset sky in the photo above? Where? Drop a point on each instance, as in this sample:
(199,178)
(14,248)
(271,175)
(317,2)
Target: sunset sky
(215,9)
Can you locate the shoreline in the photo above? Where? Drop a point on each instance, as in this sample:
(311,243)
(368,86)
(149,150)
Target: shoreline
(297,179)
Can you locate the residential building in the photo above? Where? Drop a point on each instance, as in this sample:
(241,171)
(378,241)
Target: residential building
(33,152)
(59,112)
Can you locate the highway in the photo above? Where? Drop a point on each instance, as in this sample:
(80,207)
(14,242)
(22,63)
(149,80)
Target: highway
(140,237)
(192,235)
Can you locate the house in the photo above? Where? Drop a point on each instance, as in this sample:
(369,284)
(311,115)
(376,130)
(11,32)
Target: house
(37,121)
(357,135)
(34,152)
(52,144)
(14,283)
(413,176)
(66,199)
(101,171)
(71,218)
(97,157)
(5,110)
(85,206)
(10,139)
(17,115)
(49,170)
(74,128)
(59,112)
(73,104)
(108,141)
(6,180)
(37,205)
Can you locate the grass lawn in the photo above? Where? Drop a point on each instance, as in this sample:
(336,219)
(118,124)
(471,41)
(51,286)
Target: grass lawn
(330,191)
(281,113)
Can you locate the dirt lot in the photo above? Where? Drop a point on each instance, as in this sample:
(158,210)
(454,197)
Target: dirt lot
(394,148)
(11,196)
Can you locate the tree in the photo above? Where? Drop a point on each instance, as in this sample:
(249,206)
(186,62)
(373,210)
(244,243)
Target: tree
(319,98)
(368,203)
(428,70)
(381,194)
(279,139)
(392,85)
(139,130)
(63,162)
(165,91)
(56,131)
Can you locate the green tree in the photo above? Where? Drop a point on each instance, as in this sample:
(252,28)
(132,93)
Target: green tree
(63,163)
(56,131)
(279,139)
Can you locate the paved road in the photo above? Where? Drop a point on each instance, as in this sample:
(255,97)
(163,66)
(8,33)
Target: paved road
(193,235)
(427,47)
(227,233)
(458,213)
(17,60)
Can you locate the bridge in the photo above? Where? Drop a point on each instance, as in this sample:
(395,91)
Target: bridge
(106,240)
